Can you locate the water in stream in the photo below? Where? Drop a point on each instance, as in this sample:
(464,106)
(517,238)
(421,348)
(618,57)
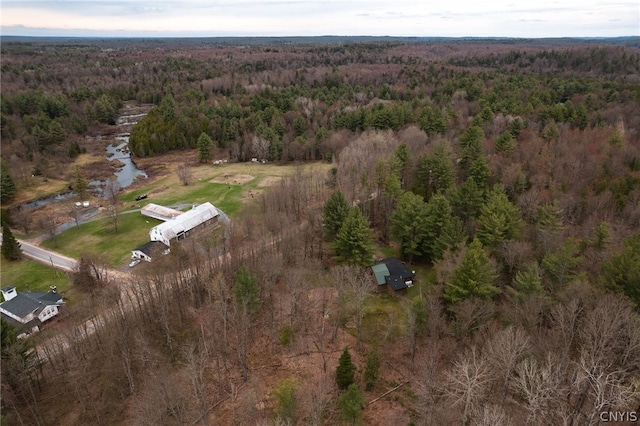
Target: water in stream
(129,172)
(124,176)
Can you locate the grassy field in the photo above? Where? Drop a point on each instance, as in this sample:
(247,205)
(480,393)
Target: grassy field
(230,187)
(38,188)
(30,275)
(384,318)
(99,237)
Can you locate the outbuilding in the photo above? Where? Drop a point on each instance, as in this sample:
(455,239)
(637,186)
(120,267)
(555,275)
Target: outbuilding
(150,250)
(181,226)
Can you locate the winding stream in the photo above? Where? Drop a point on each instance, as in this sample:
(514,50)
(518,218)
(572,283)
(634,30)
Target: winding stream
(129,172)
(125,175)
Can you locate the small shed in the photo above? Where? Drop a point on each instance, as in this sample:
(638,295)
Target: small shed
(393,275)
(150,250)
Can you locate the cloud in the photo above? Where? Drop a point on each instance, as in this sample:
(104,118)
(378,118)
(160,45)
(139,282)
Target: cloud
(544,18)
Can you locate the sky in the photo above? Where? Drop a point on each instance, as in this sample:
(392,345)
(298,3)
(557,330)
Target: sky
(421,18)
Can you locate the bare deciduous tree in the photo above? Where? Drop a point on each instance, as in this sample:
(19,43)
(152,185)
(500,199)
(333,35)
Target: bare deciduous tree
(354,288)
(315,399)
(471,316)
(565,319)
(184,173)
(540,386)
(47,224)
(22,219)
(609,391)
(195,362)
(504,350)
(491,415)
(111,189)
(467,382)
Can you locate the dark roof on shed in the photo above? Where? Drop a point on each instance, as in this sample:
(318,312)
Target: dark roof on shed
(152,247)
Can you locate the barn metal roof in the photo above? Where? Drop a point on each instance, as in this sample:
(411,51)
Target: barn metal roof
(159,212)
(187,220)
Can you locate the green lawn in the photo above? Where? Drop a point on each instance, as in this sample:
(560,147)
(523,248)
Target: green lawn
(27,274)
(99,237)
(225,197)
(133,228)
(384,318)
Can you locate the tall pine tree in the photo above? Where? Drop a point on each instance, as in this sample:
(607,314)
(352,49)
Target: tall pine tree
(81,184)
(354,244)
(246,289)
(352,403)
(499,219)
(7,187)
(335,211)
(407,224)
(204,147)
(346,371)
(10,246)
(473,278)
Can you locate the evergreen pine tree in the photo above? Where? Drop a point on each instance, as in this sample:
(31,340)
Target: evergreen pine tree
(10,246)
(467,200)
(351,403)
(471,144)
(473,278)
(80,184)
(407,224)
(622,272)
(335,211)
(479,171)
(246,289)
(560,266)
(7,187)
(436,172)
(354,244)
(204,147)
(345,372)
(505,142)
(499,219)
(528,281)
(371,367)
(437,223)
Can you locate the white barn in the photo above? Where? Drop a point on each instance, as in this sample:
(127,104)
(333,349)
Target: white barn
(181,226)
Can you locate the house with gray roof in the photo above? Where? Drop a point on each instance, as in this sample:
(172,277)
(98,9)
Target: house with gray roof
(393,275)
(27,311)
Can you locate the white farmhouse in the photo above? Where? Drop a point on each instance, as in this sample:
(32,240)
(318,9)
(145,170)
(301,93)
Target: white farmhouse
(181,226)
(27,311)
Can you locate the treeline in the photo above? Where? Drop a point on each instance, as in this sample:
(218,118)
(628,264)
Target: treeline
(291,102)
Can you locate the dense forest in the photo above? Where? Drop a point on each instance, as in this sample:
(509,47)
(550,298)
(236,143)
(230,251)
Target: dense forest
(505,172)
